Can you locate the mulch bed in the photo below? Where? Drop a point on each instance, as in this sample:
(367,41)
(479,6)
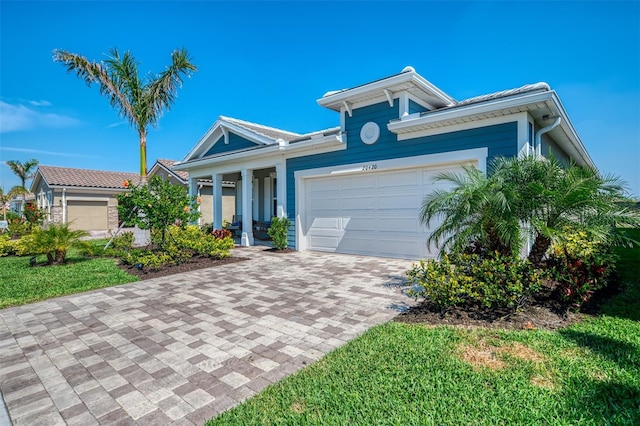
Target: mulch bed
(195,263)
(544,312)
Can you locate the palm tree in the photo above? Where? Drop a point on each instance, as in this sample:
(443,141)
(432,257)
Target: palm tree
(24,171)
(5,198)
(140,101)
(468,212)
(527,195)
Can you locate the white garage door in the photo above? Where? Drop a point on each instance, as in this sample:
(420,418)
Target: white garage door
(87,215)
(371,213)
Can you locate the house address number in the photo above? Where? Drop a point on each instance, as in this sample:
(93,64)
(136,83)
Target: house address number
(369,167)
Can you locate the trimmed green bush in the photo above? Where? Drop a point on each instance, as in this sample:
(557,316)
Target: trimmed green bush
(278,231)
(492,280)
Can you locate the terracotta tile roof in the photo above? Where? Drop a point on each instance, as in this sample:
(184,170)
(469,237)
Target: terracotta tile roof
(64,176)
(184,176)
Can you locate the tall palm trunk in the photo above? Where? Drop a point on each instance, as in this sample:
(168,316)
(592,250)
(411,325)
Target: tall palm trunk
(143,156)
(540,246)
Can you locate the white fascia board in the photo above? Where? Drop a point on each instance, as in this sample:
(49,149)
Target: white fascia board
(85,188)
(336,99)
(35,178)
(202,141)
(247,134)
(575,140)
(327,143)
(218,128)
(403,126)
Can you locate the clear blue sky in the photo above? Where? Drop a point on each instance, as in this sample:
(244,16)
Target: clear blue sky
(268,62)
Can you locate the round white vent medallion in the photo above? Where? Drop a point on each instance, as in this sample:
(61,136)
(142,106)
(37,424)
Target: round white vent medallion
(370,133)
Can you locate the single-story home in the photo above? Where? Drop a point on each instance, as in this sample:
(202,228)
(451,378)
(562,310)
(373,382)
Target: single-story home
(163,168)
(85,199)
(358,187)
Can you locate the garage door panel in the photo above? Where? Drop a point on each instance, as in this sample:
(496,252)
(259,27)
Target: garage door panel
(324,204)
(374,213)
(326,223)
(403,179)
(404,201)
(358,203)
(87,215)
(359,182)
(386,247)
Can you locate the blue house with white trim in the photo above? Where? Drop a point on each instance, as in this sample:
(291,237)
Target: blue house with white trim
(358,188)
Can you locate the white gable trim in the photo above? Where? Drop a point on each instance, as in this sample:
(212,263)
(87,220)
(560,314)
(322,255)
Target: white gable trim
(220,130)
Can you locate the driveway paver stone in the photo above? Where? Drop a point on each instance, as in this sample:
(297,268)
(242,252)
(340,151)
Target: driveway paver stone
(183,348)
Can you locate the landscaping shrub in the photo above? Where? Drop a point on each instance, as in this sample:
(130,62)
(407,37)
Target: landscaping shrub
(54,242)
(493,280)
(33,214)
(501,281)
(278,231)
(7,245)
(581,264)
(190,239)
(19,227)
(146,259)
(440,282)
(221,233)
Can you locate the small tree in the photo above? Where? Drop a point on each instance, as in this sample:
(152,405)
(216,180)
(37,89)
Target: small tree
(157,206)
(278,232)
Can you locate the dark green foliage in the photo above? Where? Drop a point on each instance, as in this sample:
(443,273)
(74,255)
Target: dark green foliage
(581,265)
(278,231)
(157,206)
(493,280)
(182,243)
(54,242)
(521,196)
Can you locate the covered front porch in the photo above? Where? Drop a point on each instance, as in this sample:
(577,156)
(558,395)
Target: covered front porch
(259,196)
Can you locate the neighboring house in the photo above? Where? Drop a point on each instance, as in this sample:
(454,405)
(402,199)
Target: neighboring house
(86,199)
(16,204)
(163,168)
(358,188)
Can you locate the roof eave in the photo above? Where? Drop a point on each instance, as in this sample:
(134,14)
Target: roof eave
(478,111)
(329,141)
(334,101)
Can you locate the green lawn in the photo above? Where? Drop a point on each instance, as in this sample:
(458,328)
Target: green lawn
(402,374)
(20,283)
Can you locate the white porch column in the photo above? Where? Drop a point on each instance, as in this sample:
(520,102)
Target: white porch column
(64,205)
(217,201)
(193,188)
(247,207)
(281,190)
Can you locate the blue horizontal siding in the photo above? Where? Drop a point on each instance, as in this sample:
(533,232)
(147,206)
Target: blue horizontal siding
(500,139)
(235,143)
(416,107)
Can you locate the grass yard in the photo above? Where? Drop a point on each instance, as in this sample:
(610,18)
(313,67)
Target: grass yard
(401,374)
(20,283)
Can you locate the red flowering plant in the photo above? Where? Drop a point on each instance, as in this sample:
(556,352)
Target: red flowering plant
(581,264)
(33,215)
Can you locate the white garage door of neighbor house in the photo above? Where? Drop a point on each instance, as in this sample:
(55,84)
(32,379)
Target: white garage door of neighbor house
(87,215)
(372,213)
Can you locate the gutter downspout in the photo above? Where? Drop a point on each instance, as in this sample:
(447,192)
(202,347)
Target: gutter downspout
(538,139)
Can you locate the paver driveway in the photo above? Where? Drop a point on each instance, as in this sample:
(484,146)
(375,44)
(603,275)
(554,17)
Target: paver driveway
(183,348)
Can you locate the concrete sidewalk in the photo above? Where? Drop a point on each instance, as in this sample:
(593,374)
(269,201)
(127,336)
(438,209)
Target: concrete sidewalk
(181,349)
